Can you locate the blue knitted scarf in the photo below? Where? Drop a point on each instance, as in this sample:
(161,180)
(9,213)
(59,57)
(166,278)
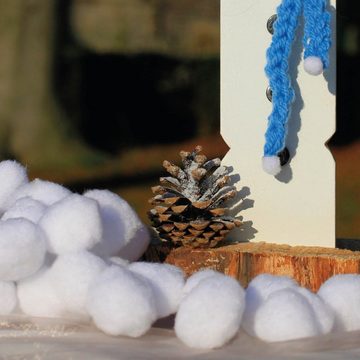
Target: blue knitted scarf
(316,42)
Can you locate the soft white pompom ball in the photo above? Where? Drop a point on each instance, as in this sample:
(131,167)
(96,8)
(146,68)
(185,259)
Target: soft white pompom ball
(271,164)
(116,260)
(26,208)
(22,249)
(285,315)
(167,282)
(210,315)
(8,298)
(124,234)
(72,224)
(313,65)
(121,303)
(73,274)
(44,191)
(137,246)
(12,175)
(197,277)
(342,294)
(258,290)
(37,296)
(324,315)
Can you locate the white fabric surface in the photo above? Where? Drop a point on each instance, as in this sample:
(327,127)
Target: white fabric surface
(24,338)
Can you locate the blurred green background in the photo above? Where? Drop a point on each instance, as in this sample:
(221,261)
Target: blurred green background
(96,93)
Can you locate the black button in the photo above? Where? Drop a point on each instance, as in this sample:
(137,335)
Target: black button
(269,93)
(284,156)
(270,24)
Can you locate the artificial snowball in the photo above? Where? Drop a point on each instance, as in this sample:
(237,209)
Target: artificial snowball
(137,246)
(72,274)
(342,294)
(8,298)
(271,164)
(121,303)
(44,191)
(197,277)
(72,224)
(167,282)
(22,249)
(324,315)
(210,315)
(258,290)
(26,208)
(12,175)
(123,229)
(285,315)
(313,65)
(37,296)
(116,260)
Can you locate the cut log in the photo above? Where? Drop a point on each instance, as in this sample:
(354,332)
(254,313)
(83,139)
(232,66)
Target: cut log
(309,266)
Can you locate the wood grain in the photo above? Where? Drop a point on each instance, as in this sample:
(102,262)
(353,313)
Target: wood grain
(310,266)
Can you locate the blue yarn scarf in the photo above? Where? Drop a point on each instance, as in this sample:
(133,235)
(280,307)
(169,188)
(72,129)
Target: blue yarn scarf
(317,41)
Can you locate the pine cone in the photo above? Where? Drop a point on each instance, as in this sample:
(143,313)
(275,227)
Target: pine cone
(187,205)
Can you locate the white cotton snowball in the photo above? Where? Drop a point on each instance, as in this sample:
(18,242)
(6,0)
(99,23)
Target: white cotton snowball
(26,208)
(72,224)
(197,277)
(258,290)
(210,315)
(22,249)
(124,234)
(44,191)
(12,175)
(342,294)
(8,298)
(324,315)
(116,260)
(137,246)
(167,282)
(37,296)
(271,164)
(313,65)
(121,303)
(285,315)
(73,274)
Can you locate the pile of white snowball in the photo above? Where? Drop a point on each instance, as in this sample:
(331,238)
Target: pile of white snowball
(64,255)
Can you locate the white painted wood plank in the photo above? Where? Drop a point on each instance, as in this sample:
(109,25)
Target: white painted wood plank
(298,206)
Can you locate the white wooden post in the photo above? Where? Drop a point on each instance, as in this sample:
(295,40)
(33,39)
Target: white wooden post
(298,206)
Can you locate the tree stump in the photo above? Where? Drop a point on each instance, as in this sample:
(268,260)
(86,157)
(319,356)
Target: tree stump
(309,266)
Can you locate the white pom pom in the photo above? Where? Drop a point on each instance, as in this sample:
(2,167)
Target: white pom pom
(124,234)
(26,208)
(44,191)
(342,294)
(313,65)
(37,296)
(271,164)
(72,224)
(72,275)
(257,292)
(22,249)
(167,282)
(121,303)
(8,298)
(195,279)
(116,260)
(285,315)
(324,315)
(210,315)
(137,246)
(12,175)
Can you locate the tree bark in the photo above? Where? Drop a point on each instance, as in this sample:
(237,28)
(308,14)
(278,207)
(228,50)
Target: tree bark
(310,266)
